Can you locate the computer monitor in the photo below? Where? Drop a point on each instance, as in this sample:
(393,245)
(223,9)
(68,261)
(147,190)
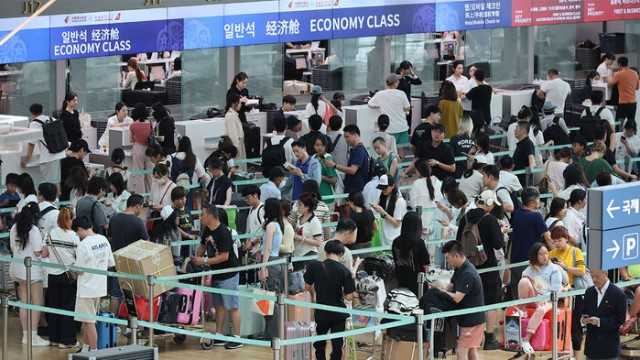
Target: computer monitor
(301,62)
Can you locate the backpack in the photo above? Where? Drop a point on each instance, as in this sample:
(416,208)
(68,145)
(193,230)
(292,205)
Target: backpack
(332,144)
(55,137)
(401,301)
(180,175)
(515,197)
(274,155)
(472,243)
(590,123)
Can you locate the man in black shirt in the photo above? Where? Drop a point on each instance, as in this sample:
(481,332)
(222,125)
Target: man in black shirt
(217,251)
(524,155)
(422,133)
(480,97)
(330,283)
(439,155)
(465,290)
(492,239)
(407,78)
(75,159)
(219,187)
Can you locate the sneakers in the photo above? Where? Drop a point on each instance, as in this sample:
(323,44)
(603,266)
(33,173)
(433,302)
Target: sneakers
(217,343)
(233,345)
(68,346)
(35,339)
(491,343)
(526,347)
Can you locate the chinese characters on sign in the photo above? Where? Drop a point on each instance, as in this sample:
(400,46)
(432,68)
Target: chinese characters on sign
(283,27)
(482,13)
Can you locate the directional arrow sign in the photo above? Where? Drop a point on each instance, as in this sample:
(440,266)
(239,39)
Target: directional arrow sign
(614,248)
(612,207)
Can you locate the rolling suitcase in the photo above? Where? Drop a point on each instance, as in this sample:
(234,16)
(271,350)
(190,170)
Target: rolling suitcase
(190,306)
(107,334)
(297,329)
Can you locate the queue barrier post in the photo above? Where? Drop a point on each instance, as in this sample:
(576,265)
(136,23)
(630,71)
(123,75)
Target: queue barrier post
(275,347)
(133,325)
(281,320)
(28,265)
(554,328)
(5,326)
(151,279)
(432,339)
(421,278)
(419,314)
(285,287)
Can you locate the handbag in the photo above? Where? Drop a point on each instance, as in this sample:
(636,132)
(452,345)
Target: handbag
(261,306)
(70,277)
(295,282)
(581,282)
(152,139)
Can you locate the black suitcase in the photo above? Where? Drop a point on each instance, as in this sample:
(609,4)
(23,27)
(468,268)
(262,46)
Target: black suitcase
(251,140)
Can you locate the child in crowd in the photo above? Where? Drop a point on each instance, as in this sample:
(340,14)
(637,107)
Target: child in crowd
(185,223)
(9,199)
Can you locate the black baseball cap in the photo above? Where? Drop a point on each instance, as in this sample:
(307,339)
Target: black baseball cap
(79,145)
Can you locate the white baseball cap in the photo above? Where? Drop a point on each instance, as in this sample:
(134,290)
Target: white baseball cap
(488,197)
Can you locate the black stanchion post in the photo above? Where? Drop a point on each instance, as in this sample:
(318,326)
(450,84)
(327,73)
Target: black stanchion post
(554,328)
(5,327)
(133,326)
(275,347)
(421,277)
(28,264)
(419,314)
(150,283)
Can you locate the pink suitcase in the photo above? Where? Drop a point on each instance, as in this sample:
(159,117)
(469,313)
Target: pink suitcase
(298,329)
(539,339)
(190,306)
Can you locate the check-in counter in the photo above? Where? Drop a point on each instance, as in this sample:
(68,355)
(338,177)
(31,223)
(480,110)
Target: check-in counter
(512,101)
(602,86)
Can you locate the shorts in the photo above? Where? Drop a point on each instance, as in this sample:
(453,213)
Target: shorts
(86,306)
(114,288)
(491,287)
(402,138)
(471,337)
(229,302)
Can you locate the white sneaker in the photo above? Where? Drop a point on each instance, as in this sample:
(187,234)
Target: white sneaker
(527,348)
(84,348)
(38,341)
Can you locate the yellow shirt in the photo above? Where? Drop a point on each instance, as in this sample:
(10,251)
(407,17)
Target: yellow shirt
(566,258)
(451,115)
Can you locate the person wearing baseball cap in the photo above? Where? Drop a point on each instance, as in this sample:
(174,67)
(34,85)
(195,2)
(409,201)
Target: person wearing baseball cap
(393,103)
(391,207)
(492,239)
(70,165)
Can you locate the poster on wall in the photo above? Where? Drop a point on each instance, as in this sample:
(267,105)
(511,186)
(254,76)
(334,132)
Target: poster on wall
(603,10)
(113,33)
(30,44)
(546,12)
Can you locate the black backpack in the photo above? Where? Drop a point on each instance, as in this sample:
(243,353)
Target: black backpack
(274,155)
(515,199)
(332,144)
(55,137)
(590,124)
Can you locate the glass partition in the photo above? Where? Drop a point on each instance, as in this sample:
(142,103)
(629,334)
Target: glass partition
(423,50)
(263,64)
(24,84)
(204,74)
(97,82)
(555,47)
(361,63)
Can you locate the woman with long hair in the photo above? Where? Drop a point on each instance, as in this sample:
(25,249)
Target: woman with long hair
(61,293)
(574,178)
(425,193)
(141,129)
(26,242)
(165,128)
(238,88)
(309,234)
(26,190)
(119,192)
(410,254)
(450,108)
(71,117)
(391,207)
(134,75)
(233,127)
(593,164)
(364,219)
(270,251)
(321,210)
(557,212)
(185,161)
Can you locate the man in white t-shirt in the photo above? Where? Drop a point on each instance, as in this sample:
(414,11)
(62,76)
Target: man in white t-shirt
(255,219)
(393,103)
(598,106)
(604,69)
(93,252)
(49,167)
(555,89)
(491,178)
(47,196)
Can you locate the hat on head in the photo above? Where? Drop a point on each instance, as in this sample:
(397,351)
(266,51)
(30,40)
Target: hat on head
(392,78)
(316,90)
(79,145)
(488,197)
(385,181)
(166,212)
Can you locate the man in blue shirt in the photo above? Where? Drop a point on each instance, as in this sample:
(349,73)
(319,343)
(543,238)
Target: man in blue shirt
(306,168)
(528,228)
(271,189)
(357,169)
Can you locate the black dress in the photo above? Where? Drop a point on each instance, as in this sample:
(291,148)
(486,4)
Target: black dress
(71,122)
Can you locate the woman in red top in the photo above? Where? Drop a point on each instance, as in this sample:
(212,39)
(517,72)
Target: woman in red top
(140,130)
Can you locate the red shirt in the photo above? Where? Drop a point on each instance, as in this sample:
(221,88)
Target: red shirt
(140,132)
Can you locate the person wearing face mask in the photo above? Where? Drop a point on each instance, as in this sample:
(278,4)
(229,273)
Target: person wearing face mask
(161,187)
(120,119)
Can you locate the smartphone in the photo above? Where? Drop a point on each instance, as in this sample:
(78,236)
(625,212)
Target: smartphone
(288,165)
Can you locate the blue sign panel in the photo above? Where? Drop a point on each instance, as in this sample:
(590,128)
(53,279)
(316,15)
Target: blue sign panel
(615,206)
(614,248)
(469,15)
(27,45)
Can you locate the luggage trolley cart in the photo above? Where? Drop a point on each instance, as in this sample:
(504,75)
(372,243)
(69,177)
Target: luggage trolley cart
(183,302)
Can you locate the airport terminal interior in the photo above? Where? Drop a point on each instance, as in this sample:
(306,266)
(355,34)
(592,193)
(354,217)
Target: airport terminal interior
(363,164)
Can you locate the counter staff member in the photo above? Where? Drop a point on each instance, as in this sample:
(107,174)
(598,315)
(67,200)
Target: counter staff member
(407,78)
(239,87)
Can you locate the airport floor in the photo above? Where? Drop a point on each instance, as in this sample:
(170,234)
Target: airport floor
(191,349)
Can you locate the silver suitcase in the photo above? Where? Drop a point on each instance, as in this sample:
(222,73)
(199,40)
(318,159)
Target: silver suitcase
(130,352)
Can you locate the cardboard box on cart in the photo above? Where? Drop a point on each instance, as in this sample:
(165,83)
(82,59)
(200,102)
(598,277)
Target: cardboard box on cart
(145,258)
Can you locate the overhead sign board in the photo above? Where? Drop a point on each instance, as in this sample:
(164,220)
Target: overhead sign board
(612,207)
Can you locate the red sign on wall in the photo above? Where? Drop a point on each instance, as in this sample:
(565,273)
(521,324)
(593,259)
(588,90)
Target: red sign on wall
(546,12)
(603,10)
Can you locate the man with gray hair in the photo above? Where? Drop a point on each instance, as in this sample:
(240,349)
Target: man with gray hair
(393,103)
